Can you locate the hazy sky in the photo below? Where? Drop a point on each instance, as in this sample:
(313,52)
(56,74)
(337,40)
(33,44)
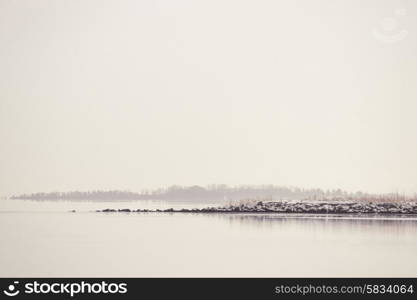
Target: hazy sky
(132,94)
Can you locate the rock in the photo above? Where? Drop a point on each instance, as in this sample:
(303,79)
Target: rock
(298,207)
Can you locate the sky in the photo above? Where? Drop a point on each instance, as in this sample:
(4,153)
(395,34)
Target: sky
(99,94)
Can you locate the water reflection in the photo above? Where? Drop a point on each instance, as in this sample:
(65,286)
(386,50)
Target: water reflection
(58,244)
(388,224)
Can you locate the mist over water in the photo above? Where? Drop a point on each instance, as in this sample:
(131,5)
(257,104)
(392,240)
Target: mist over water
(131,95)
(44,239)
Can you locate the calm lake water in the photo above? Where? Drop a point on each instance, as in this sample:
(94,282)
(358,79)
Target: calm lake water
(44,239)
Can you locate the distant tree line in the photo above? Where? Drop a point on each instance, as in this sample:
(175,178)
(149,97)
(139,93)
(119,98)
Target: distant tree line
(216,192)
(212,192)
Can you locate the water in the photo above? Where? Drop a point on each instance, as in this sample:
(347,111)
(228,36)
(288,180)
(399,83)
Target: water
(44,239)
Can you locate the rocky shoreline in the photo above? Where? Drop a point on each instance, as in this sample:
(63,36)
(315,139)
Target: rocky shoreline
(291,207)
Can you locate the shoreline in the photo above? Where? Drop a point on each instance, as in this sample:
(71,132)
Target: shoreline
(290,208)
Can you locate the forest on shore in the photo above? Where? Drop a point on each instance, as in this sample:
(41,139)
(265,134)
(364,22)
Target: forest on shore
(220,192)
